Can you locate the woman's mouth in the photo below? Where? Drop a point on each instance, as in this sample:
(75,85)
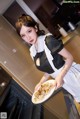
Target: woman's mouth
(31,41)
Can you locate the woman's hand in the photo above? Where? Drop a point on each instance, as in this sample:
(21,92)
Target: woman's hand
(43,79)
(37,86)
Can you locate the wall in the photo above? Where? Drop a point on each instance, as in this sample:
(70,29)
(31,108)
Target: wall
(19,7)
(4,4)
(34,6)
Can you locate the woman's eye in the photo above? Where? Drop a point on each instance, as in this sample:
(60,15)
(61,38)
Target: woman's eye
(23,36)
(29,31)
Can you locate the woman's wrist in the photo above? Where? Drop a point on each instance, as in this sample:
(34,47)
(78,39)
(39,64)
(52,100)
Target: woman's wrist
(41,82)
(44,78)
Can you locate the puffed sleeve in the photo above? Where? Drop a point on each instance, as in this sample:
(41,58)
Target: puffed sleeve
(53,44)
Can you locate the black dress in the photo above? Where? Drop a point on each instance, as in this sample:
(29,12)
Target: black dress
(54,46)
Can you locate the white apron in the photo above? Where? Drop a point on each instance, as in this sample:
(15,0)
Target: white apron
(71,80)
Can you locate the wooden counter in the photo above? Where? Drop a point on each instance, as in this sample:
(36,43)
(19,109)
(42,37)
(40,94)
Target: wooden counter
(16,61)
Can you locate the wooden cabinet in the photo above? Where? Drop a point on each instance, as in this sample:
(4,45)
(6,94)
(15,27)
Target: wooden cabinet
(73,46)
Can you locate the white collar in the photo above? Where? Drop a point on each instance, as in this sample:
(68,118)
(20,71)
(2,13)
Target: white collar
(40,42)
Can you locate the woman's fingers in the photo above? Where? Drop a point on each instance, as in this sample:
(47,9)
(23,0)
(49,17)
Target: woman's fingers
(37,87)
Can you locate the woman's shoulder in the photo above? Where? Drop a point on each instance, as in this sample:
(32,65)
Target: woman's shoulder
(52,42)
(49,37)
(48,34)
(43,37)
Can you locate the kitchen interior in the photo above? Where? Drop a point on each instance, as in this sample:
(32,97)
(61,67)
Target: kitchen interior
(18,74)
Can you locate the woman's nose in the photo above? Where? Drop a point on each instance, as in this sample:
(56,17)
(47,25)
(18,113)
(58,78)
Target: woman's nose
(28,37)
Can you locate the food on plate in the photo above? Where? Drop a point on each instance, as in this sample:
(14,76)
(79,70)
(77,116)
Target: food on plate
(43,91)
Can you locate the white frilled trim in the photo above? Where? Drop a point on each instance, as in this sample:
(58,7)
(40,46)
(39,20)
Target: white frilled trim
(49,56)
(40,42)
(32,51)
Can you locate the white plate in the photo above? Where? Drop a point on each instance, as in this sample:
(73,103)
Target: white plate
(46,95)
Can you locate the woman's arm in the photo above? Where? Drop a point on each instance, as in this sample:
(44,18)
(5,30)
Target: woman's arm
(44,78)
(68,62)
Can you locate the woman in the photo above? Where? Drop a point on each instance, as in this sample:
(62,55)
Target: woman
(50,56)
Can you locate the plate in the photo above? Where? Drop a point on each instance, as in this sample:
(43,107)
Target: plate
(44,92)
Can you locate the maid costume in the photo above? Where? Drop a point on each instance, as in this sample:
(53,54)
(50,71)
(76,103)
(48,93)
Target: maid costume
(52,63)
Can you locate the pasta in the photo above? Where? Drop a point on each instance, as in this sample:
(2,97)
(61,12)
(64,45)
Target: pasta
(43,91)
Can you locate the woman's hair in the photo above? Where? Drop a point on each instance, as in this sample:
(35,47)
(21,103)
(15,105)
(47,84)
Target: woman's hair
(28,21)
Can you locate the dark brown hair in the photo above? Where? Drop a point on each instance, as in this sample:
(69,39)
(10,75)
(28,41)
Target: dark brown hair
(28,21)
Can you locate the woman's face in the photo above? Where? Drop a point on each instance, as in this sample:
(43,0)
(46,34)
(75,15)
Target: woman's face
(29,34)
